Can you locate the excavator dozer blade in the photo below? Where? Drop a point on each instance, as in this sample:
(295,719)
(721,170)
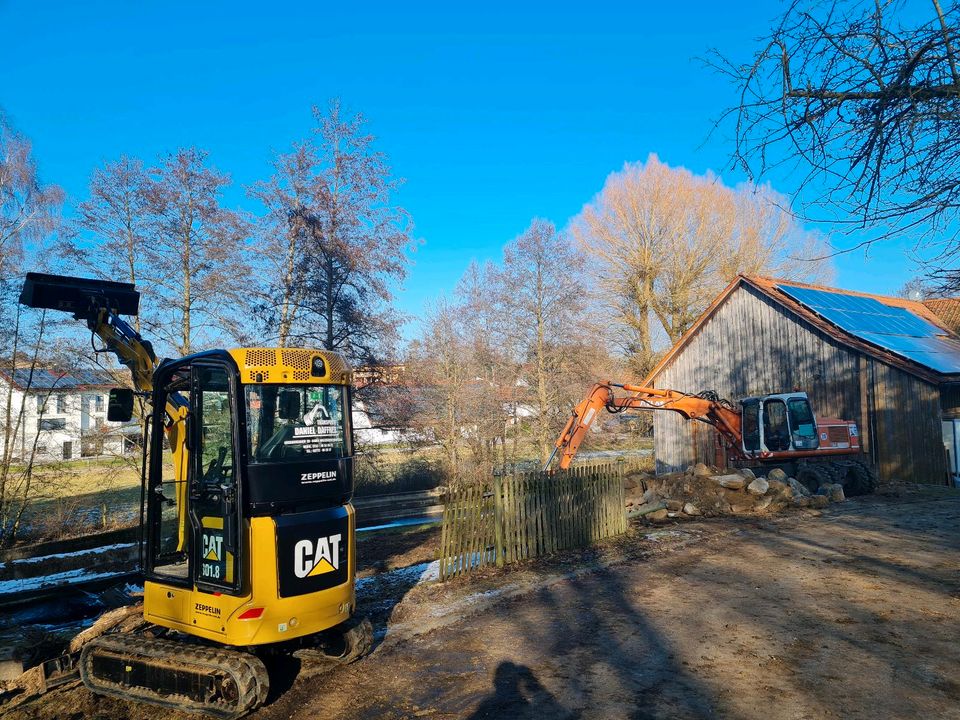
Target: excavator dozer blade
(81,296)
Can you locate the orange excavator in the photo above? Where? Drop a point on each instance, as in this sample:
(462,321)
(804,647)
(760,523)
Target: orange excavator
(765,432)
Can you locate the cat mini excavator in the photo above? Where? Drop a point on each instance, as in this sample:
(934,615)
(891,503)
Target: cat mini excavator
(248,541)
(765,432)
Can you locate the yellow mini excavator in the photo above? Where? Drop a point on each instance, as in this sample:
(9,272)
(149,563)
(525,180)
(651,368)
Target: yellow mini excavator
(248,547)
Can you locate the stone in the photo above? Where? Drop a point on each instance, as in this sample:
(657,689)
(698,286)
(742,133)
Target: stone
(780,488)
(740,509)
(747,473)
(733,482)
(764,503)
(701,470)
(798,487)
(777,474)
(837,494)
(649,496)
(801,501)
(691,509)
(646,509)
(658,515)
(674,505)
(818,501)
(758,487)
(10,669)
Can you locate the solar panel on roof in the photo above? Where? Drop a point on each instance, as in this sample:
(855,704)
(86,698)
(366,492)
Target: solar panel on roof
(891,328)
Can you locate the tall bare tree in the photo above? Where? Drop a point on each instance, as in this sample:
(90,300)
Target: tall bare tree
(547,300)
(29,216)
(282,239)
(113,224)
(493,394)
(863,98)
(664,241)
(342,246)
(29,209)
(194,255)
(441,370)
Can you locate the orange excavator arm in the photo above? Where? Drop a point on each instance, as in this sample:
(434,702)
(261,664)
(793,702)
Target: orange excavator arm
(706,407)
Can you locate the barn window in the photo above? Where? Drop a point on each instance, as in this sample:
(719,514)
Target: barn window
(776,431)
(751,425)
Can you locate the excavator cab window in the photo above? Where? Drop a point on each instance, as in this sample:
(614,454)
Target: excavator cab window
(167,492)
(776,430)
(751,425)
(802,424)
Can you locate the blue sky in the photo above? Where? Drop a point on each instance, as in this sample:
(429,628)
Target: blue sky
(493,113)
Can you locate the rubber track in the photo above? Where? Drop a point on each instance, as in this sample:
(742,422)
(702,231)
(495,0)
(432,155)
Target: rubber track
(247,671)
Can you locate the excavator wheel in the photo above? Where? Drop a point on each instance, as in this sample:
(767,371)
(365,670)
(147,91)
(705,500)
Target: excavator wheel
(860,479)
(812,476)
(214,681)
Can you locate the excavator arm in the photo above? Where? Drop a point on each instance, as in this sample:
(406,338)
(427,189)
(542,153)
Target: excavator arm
(705,407)
(100,303)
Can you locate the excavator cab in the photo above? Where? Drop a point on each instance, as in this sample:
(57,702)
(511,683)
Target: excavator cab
(778,423)
(264,470)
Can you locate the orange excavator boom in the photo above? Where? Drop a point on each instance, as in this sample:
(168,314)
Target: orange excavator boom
(706,407)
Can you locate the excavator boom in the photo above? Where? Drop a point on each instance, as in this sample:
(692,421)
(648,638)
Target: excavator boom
(706,407)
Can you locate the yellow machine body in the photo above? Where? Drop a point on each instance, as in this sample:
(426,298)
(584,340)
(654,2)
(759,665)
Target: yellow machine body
(259,614)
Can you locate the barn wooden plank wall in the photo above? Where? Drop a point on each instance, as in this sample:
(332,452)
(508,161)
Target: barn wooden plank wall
(754,346)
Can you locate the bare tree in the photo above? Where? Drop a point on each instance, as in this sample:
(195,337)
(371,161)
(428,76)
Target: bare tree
(29,209)
(492,396)
(440,366)
(282,240)
(863,98)
(194,255)
(341,246)
(547,301)
(664,241)
(115,219)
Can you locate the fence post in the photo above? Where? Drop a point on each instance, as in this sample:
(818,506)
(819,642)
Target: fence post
(498,519)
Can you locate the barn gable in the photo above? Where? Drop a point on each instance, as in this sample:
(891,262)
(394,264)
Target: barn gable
(751,341)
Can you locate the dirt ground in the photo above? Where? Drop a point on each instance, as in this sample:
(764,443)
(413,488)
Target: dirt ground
(849,612)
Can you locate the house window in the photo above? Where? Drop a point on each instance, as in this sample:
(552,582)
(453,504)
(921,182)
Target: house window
(61,403)
(51,424)
(98,403)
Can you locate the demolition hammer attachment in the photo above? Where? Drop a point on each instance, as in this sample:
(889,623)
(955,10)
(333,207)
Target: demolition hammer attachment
(83,297)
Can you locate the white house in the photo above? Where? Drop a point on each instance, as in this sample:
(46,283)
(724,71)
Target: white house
(60,415)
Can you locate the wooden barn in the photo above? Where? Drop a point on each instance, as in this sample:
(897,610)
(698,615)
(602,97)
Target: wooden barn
(891,364)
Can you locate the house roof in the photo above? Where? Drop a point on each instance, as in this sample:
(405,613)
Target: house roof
(907,334)
(47,379)
(947,309)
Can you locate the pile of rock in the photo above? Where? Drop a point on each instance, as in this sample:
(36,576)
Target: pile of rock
(710,492)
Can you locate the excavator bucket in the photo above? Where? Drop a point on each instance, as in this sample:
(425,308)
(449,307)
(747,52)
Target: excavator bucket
(81,296)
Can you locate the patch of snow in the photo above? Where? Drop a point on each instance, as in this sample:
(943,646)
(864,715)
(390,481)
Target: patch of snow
(661,535)
(412,575)
(75,553)
(403,523)
(68,577)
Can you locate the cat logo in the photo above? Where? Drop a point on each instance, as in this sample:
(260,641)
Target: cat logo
(311,559)
(212,547)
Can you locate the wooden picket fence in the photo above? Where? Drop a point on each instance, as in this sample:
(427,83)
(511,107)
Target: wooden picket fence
(521,516)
